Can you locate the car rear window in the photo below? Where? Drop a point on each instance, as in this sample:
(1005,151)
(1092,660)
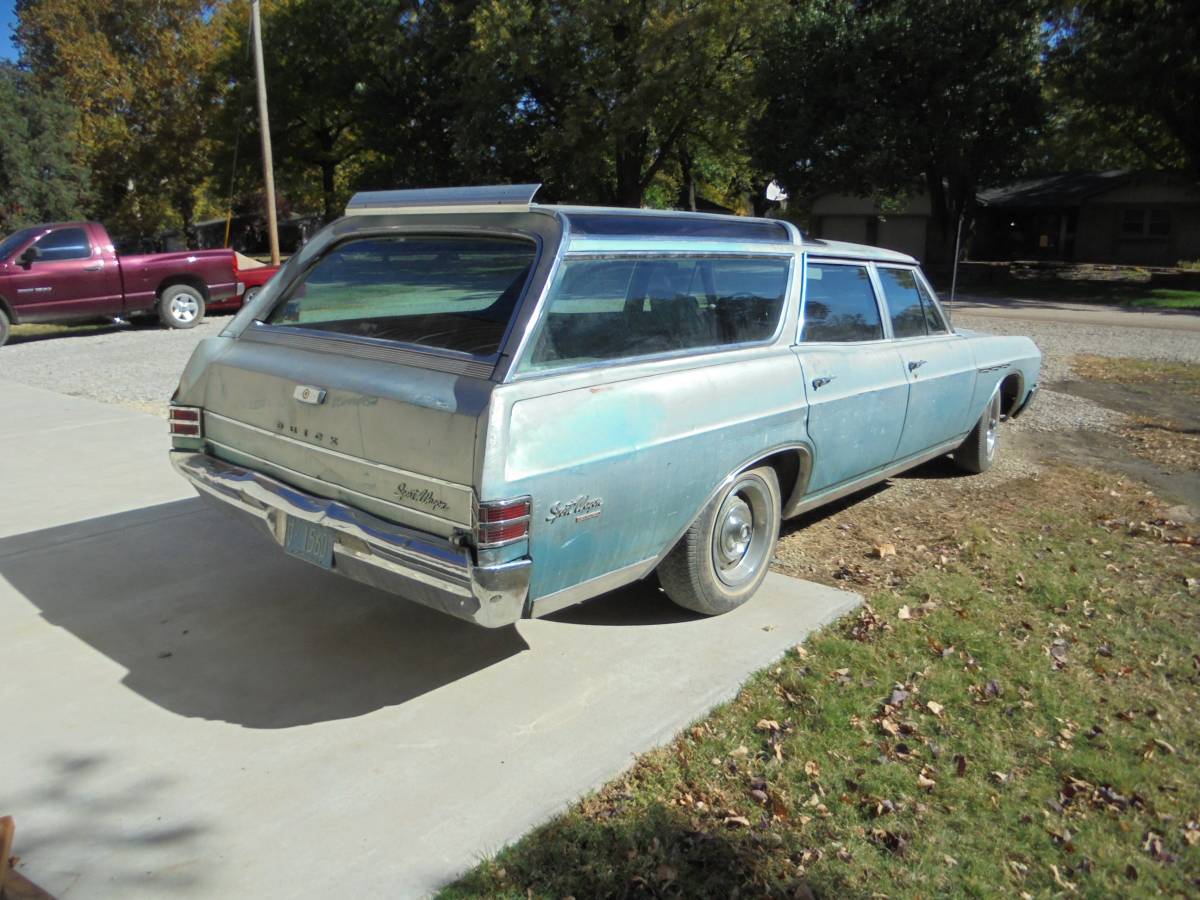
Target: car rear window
(452,292)
(609,309)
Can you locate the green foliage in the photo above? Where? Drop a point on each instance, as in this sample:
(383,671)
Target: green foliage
(882,97)
(1136,62)
(136,72)
(41,180)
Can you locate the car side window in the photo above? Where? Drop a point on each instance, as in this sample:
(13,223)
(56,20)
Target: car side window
(611,309)
(840,305)
(65,243)
(912,309)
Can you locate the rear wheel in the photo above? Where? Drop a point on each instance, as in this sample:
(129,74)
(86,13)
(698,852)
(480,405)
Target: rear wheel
(977,453)
(721,561)
(250,294)
(181,306)
(5,327)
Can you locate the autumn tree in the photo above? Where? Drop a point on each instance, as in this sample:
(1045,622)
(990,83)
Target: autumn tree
(600,97)
(890,96)
(137,73)
(41,177)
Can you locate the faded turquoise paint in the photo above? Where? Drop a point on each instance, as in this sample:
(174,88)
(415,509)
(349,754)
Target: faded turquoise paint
(652,448)
(941,375)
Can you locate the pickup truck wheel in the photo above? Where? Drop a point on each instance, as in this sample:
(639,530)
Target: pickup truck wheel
(5,328)
(181,306)
(977,453)
(722,559)
(250,294)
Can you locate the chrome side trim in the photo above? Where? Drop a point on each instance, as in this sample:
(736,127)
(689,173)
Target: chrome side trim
(361,348)
(593,587)
(392,557)
(850,487)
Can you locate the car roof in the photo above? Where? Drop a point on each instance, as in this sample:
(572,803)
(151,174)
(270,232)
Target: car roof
(611,229)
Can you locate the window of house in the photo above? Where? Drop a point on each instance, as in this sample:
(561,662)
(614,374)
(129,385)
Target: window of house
(66,243)
(912,308)
(840,305)
(608,309)
(1146,223)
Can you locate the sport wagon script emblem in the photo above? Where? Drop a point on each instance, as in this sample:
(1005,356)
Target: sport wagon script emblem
(582,507)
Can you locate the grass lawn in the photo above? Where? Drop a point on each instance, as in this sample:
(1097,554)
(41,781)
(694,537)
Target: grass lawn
(1013,713)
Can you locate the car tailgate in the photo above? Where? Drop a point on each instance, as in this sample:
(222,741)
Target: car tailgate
(394,440)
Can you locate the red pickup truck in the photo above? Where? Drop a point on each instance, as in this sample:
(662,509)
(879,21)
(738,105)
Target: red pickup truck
(70,271)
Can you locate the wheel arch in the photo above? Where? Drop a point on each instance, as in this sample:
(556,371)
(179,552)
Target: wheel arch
(190,280)
(792,464)
(1012,392)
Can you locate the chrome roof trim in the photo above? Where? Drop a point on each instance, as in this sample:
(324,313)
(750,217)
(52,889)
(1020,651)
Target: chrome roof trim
(492,198)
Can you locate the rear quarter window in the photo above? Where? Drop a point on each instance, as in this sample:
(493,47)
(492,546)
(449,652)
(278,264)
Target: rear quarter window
(444,291)
(613,309)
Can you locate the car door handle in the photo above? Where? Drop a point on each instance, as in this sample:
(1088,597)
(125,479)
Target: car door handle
(822,381)
(94,267)
(915,364)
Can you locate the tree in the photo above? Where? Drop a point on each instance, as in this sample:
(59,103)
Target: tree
(1136,63)
(137,73)
(882,97)
(599,97)
(41,180)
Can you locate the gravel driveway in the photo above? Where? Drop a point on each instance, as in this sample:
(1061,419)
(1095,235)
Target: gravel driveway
(140,367)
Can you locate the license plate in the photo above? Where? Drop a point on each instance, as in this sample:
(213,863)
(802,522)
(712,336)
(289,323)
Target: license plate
(311,543)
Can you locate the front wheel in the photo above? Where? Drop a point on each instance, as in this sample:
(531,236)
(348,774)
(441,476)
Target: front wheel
(977,453)
(5,327)
(181,306)
(722,559)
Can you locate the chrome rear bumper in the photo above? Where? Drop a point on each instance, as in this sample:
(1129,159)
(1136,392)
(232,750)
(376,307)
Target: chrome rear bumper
(400,560)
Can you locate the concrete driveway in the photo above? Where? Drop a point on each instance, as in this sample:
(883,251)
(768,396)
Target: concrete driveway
(189,713)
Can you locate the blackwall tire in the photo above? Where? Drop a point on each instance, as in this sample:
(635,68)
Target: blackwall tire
(977,453)
(5,328)
(722,559)
(181,306)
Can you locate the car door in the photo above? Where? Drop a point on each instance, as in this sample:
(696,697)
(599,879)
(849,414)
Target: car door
(939,364)
(854,378)
(68,278)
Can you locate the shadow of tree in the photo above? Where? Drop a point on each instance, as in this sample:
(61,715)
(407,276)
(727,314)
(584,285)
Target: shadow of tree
(85,804)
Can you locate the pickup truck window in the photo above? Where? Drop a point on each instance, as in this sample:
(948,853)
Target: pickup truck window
(606,309)
(65,243)
(913,311)
(446,291)
(840,305)
(10,244)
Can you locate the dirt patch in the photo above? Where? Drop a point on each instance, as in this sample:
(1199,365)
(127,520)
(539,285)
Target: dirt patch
(1165,402)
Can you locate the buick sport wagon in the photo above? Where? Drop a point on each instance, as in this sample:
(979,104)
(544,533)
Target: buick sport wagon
(498,408)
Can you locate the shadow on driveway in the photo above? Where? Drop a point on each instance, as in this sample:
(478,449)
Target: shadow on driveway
(211,620)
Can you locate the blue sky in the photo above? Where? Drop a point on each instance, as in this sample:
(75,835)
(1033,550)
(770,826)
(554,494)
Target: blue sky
(7,19)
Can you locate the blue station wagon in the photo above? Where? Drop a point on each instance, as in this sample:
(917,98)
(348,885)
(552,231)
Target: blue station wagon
(498,408)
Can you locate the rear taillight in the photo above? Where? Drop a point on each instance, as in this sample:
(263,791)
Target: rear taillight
(502,522)
(185,421)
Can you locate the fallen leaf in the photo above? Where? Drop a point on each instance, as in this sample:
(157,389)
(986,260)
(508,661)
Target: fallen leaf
(936,708)
(949,860)
(884,550)
(812,769)
(1060,881)
(767,725)
(960,765)
(905,613)
(737,820)
(740,751)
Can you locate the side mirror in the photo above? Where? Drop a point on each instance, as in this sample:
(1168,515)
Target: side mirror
(30,256)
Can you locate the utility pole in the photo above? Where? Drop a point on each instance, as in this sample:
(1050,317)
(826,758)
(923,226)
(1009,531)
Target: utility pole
(265,128)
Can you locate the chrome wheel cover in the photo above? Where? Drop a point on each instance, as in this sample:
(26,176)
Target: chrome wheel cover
(741,544)
(992,428)
(184,307)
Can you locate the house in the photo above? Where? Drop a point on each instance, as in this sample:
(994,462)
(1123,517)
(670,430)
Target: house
(862,220)
(1119,217)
